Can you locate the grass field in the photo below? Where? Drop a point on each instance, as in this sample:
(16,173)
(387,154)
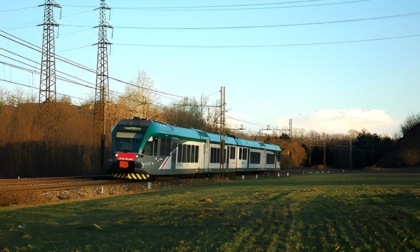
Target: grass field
(330,212)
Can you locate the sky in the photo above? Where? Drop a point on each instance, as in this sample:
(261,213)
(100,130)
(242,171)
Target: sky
(328,65)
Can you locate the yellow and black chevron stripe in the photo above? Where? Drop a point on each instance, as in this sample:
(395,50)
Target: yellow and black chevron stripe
(133,176)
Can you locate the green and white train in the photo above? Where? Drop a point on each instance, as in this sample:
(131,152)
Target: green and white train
(144,148)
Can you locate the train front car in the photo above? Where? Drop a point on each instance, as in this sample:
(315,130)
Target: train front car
(143,148)
(128,139)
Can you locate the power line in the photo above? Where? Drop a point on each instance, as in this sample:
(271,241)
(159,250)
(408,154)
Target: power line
(239,120)
(19,9)
(37,67)
(235,7)
(271,45)
(261,26)
(60,77)
(24,85)
(19,84)
(18,67)
(21,62)
(73,63)
(266,8)
(20,56)
(69,33)
(206,6)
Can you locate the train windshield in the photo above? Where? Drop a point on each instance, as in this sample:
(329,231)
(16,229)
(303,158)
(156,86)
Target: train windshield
(128,138)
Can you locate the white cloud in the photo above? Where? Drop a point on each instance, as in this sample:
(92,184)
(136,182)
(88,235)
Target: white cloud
(343,120)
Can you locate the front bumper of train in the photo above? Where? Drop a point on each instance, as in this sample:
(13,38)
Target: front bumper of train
(127,166)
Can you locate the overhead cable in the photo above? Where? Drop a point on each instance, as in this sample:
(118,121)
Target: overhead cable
(261,26)
(270,45)
(68,61)
(235,7)
(19,9)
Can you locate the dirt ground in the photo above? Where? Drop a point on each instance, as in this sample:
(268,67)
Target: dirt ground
(40,197)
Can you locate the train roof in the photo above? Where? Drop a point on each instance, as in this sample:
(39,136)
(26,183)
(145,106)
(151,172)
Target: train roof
(215,138)
(273,147)
(174,131)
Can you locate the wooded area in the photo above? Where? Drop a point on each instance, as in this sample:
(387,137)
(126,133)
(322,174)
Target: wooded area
(60,139)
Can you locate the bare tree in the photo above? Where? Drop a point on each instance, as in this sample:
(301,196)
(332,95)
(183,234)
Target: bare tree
(187,113)
(140,97)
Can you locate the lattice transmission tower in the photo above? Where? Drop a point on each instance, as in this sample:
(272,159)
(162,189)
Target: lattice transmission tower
(47,85)
(102,78)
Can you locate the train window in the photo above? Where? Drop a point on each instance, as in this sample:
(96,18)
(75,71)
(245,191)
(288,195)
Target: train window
(215,155)
(243,153)
(188,159)
(165,146)
(232,152)
(196,154)
(184,153)
(188,154)
(150,148)
(255,158)
(270,158)
(122,134)
(128,141)
(179,160)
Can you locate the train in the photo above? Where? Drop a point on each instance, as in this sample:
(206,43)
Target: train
(143,149)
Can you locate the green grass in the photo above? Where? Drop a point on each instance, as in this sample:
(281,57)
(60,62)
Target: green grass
(340,212)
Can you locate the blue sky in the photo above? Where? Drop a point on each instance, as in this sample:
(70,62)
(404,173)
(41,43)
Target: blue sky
(293,70)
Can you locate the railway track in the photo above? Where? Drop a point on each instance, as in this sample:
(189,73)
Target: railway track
(37,191)
(49,190)
(48,184)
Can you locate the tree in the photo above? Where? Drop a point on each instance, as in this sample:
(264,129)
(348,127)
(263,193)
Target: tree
(139,98)
(187,114)
(370,148)
(409,123)
(284,136)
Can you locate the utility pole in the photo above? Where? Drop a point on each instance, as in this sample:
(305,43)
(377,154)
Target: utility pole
(310,152)
(222,110)
(47,90)
(102,78)
(350,153)
(290,128)
(222,127)
(325,153)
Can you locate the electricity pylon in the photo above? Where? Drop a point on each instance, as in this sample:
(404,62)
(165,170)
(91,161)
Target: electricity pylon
(47,89)
(102,78)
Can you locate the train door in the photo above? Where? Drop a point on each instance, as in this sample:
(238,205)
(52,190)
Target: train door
(277,159)
(227,151)
(231,157)
(175,152)
(206,159)
(248,154)
(264,159)
(174,155)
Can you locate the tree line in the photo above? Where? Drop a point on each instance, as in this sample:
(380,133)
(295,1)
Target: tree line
(61,139)
(355,150)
